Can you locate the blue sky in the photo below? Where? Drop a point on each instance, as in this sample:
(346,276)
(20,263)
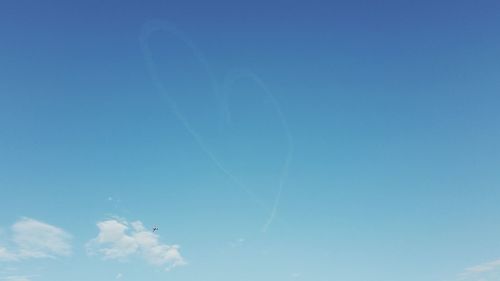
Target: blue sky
(272,140)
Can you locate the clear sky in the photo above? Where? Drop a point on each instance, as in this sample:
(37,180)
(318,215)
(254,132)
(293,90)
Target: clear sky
(267,140)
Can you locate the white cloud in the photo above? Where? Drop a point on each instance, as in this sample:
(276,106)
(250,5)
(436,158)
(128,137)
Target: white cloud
(15,278)
(35,239)
(119,240)
(484,267)
(484,272)
(236,243)
(6,255)
(118,276)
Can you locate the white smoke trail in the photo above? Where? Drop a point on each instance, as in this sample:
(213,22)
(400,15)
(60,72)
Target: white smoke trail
(160,26)
(242,74)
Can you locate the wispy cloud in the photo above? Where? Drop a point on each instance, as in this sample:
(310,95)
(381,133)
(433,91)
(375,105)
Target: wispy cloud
(35,239)
(484,272)
(236,243)
(6,255)
(15,278)
(119,240)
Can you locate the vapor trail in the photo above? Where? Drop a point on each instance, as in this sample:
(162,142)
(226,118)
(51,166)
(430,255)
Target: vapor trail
(242,74)
(155,26)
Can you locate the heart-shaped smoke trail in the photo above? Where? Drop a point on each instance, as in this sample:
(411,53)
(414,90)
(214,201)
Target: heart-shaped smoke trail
(155,26)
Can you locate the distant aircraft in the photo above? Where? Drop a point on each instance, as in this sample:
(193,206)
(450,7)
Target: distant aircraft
(155,228)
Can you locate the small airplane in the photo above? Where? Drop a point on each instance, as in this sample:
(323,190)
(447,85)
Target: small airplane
(155,228)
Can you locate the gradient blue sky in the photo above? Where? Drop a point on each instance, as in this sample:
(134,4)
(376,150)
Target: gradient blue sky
(391,108)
